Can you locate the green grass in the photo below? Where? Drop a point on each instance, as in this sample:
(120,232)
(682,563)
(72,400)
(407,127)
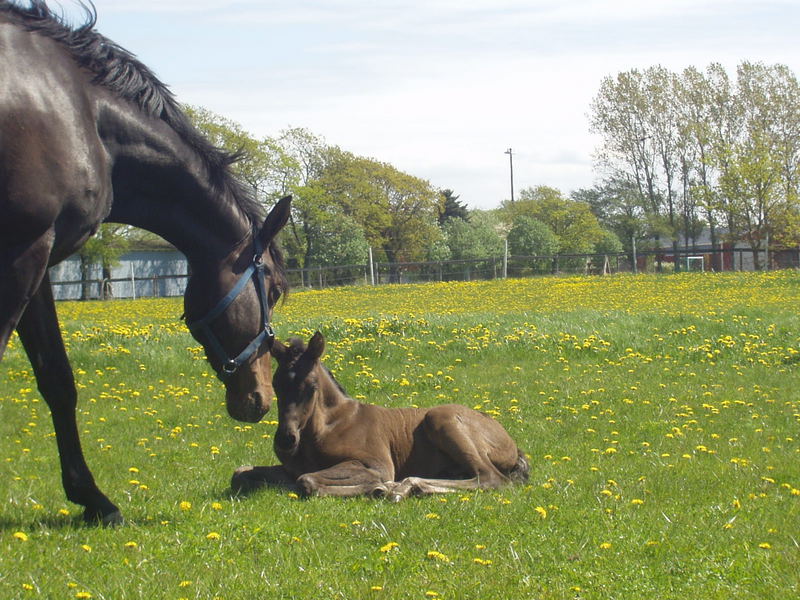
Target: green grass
(660,415)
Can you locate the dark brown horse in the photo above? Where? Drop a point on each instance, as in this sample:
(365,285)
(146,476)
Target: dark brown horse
(332,445)
(88,134)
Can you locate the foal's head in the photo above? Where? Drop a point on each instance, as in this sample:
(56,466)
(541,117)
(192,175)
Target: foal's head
(296,382)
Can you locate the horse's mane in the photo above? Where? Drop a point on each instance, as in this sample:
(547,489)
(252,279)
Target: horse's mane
(121,72)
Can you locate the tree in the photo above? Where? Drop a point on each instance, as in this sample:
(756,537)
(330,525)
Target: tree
(573,223)
(751,183)
(452,208)
(104,248)
(530,237)
(471,240)
(397,212)
(699,141)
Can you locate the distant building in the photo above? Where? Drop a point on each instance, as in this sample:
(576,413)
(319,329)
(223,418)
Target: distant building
(139,273)
(729,256)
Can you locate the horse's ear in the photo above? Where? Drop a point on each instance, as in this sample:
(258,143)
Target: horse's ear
(275,220)
(316,347)
(279,350)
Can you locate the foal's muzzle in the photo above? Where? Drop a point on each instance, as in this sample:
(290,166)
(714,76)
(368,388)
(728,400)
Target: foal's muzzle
(287,441)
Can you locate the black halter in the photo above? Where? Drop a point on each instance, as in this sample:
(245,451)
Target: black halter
(203,325)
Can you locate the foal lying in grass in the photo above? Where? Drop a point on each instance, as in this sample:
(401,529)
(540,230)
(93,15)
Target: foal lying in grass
(332,445)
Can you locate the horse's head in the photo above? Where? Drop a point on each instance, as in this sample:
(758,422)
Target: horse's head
(228,308)
(296,383)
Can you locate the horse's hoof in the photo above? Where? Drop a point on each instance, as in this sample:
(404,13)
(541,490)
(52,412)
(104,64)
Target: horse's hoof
(395,498)
(95,517)
(114,519)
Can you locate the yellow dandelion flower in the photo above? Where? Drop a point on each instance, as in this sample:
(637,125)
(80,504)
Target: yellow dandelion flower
(432,516)
(27,586)
(184,506)
(376,588)
(541,511)
(436,555)
(185,583)
(86,547)
(216,506)
(213,536)
(292,495)
(389,546)
(21,536)
(131,544)
(765,546)
(637,501)
(605,546)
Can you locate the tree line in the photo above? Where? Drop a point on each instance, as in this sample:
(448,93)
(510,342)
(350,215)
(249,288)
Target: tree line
(700,149)
(679,153)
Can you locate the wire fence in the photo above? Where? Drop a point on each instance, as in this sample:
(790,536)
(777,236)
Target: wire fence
(380,273)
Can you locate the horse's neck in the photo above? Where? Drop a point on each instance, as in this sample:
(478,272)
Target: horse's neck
(163,186)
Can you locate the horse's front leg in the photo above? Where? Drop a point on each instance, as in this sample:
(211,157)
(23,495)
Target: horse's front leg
(351,478)
(38,330)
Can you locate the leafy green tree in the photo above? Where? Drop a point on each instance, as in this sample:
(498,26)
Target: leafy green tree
(608,243)
(530,237)
(573,222)
(104,248)
(337,240)
(471,240)
(751,183)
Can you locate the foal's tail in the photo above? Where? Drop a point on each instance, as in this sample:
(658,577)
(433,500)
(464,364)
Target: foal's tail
(521,470)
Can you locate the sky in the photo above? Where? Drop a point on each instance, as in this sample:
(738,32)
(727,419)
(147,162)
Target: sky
(441,89)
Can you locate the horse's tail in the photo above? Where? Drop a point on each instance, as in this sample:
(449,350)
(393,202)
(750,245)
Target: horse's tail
(521,470)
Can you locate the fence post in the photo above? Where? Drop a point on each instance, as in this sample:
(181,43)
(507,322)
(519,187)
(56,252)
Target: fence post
(133,282)
(371,268)
(505,259)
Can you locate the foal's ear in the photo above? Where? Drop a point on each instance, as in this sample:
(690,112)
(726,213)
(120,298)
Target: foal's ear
(275,220)
(316,347)
(279,350)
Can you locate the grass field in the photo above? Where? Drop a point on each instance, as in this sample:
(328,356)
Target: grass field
(661,416)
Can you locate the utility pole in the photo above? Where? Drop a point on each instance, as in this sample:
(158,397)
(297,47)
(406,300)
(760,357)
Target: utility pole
(511,166)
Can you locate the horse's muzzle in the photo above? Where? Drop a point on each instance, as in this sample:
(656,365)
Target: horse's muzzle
(249,409)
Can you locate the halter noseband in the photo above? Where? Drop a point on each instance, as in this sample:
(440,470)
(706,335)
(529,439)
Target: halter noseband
(203,325)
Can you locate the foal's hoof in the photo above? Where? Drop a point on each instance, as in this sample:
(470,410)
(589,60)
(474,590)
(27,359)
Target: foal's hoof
(243,481)
(380,491)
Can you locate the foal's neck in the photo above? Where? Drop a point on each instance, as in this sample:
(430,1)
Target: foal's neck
(332,394)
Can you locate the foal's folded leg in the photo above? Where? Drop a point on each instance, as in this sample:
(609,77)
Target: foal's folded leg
(351,478)
(413,486)
(248,478)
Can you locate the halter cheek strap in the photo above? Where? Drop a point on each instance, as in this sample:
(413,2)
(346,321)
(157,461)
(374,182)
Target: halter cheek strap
(202,326)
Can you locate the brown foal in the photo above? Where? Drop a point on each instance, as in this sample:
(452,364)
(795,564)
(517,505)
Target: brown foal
(332,445)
